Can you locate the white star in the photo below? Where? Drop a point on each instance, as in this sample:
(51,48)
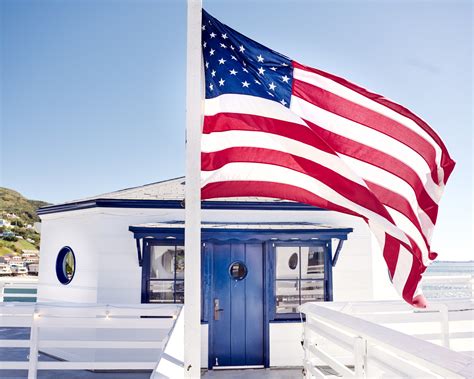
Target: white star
(284,64)
(260,58)
(285,79)
(271,94)
(245,70)
(272,86)
(241,48)
(222,81)
(211,87)
(213,73)
(224,46)
(232,47)
(261,71)
(211,52)
(232,57)
(224,36)
(273,68)
(204,44)
(203,27)
(207,64)
(256,81)
(245,84)
(222,61)
(233,72)
(212,35)
(283,101)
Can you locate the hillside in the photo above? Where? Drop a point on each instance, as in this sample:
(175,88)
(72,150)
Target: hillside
(13,202)
(18,233)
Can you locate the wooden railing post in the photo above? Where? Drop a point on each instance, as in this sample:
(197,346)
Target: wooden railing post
(360,357)
(33,356)
(443,310)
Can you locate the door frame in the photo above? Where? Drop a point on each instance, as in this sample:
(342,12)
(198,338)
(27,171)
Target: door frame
(208,295)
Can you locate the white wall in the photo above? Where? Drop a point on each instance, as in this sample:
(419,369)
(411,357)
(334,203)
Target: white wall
(285,344)
(107,268)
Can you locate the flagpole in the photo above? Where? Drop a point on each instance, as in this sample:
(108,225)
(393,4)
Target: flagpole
(192,232)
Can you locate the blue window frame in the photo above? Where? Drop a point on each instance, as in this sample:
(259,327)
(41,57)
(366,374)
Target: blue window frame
(302,272)
(65,265)
(163,272)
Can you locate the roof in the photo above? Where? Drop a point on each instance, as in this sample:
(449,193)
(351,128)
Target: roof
(171,189)
(250,230)
(239,225)
(169,194)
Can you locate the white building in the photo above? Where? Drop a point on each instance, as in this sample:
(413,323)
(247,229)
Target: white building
(261,258)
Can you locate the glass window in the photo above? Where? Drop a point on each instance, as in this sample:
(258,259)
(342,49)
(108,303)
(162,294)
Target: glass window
(166,274)
(65,265)
(299,275)
(238,270)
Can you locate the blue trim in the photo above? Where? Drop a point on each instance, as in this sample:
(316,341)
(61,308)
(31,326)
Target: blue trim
(336,254)
(177,204)
(139,253)
(146,264)
(271,289)
(289,320)
(60,274)
(210,234)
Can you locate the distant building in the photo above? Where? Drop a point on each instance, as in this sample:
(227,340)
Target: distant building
(5,223)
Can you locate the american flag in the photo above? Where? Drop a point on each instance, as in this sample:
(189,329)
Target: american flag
(276,128)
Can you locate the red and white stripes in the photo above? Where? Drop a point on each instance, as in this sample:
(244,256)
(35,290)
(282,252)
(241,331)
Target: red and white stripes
(340,147)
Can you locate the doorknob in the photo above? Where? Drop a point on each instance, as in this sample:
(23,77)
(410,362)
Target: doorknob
(217,310)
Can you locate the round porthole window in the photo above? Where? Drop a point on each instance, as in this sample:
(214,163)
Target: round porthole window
(238,270)
(65,265)
(293,261)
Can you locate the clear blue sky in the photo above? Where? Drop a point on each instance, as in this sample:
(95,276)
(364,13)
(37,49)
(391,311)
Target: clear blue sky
(93,92)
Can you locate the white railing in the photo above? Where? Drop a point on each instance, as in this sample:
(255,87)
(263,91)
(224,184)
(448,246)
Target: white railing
(357,346)
(24,290)
(446,322)
(88,336)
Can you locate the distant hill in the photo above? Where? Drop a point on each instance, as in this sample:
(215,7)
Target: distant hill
(13,202)
(19,235)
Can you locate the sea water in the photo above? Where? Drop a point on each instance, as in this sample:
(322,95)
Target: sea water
(449,280)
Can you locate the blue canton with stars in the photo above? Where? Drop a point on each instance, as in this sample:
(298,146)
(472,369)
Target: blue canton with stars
(236,64)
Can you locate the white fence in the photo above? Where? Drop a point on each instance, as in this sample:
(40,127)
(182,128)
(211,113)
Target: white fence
(87,336)
(357,345)
(15,290)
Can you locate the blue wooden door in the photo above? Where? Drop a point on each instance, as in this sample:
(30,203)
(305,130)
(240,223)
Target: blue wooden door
(236,320)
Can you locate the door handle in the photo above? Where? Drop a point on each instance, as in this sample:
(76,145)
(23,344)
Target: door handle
(217,310)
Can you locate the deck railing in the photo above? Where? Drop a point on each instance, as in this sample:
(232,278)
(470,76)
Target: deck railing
(23,291)
(356,345)
(88,336)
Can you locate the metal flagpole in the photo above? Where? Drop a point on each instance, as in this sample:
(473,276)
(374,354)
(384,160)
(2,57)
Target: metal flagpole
(192,232)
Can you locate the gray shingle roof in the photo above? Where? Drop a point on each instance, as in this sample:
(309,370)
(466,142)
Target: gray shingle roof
(171,189)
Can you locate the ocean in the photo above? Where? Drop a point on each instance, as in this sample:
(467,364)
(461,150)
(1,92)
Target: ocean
(449,280)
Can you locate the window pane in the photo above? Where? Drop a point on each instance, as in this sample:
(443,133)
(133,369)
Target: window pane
(287,296)
(162,262)
(179,289)
(312,290)
(287,262)
(161,291)
(180,262)
(312,262)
